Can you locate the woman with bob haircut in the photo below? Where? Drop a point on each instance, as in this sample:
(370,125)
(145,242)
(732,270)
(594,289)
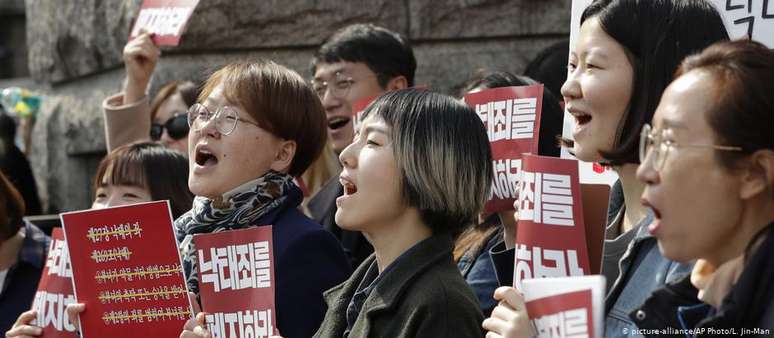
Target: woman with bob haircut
(132,173)
(256,127)
(625,56)
(417,173)
(714,125)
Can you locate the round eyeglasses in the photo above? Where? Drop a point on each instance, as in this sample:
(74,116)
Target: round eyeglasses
(653,143)
(225,118)
(339,86)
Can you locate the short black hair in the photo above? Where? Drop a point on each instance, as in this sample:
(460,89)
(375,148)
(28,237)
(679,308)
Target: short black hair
(657,35)
(551,117)
(385,52)
(442,152)
(549,67)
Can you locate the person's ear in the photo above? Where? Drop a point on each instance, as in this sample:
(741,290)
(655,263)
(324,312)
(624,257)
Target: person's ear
(283,158)
(396,83)
(758,175)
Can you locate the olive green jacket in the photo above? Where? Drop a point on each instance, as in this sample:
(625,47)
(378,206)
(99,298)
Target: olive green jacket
(423,296)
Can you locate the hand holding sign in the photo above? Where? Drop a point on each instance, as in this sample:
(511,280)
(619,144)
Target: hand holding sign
(23,327)
(140,58)
(509,318)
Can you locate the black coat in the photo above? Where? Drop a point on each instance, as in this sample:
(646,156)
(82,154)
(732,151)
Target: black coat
(423,295)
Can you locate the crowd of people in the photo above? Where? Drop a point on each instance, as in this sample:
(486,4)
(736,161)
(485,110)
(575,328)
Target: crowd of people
(380,230)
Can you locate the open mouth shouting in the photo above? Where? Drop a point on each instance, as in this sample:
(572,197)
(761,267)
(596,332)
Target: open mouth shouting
(338,122)
(204,158)
(656,224)
(350,189)
(582,119)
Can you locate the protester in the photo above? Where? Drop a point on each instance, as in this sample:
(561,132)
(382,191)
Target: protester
(418,172)
(130,117)
(472,249)
(132,173)
(258,125)
(357,62)
(16,166)
(713,125)
(626,54)
(23,248)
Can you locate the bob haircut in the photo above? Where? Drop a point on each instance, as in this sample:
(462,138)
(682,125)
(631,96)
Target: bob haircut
(743,112)
(550,118)
(148,165)
(657,35)
(11,209)
(280,101)
(385,52)
(442,153)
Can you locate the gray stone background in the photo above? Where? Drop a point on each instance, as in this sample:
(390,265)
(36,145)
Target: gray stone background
(74,57)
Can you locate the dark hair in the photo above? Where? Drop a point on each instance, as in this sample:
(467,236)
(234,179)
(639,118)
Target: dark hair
(11,209)
(549,67)
(280,101)
(442,152)
(657,35)
(148,165)
(188,90)
(550,118)
(742,114)
(385,52)
(7,129)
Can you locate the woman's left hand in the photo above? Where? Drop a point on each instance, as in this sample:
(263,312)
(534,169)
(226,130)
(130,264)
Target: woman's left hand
(509,318)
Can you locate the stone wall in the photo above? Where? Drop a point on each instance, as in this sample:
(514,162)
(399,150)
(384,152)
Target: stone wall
(75,54)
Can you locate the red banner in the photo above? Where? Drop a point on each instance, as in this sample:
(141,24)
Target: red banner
(127,270)
(551,235)
(511,116)
(358,108)
(236,282)
(55,290)
(165,19)
(564,315)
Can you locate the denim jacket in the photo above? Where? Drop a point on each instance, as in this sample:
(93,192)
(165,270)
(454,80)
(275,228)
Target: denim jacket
(642,270)
(479,271)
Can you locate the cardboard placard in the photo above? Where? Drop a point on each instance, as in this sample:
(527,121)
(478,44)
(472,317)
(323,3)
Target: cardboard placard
(127,270)
(358,108)
(566,307)
(511,116)
(551,234)
(164,19)
(55,290)
(236,282)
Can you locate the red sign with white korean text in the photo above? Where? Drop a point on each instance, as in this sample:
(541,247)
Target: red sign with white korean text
(358,108)
(236,282)
(511,116)
(55,290)
(551,235)
(164,19)
(127,270)
(563,315)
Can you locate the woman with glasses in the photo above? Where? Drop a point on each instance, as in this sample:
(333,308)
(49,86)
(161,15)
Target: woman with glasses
(625,56)
(130,117)
(708,168)
(256,127)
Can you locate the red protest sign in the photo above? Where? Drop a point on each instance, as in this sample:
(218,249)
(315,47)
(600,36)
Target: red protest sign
(551,235)
(565,315)
(165,19)
(236,282)
(565,307)
(127,270)
(511,116)
(358,108)
(55,290)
